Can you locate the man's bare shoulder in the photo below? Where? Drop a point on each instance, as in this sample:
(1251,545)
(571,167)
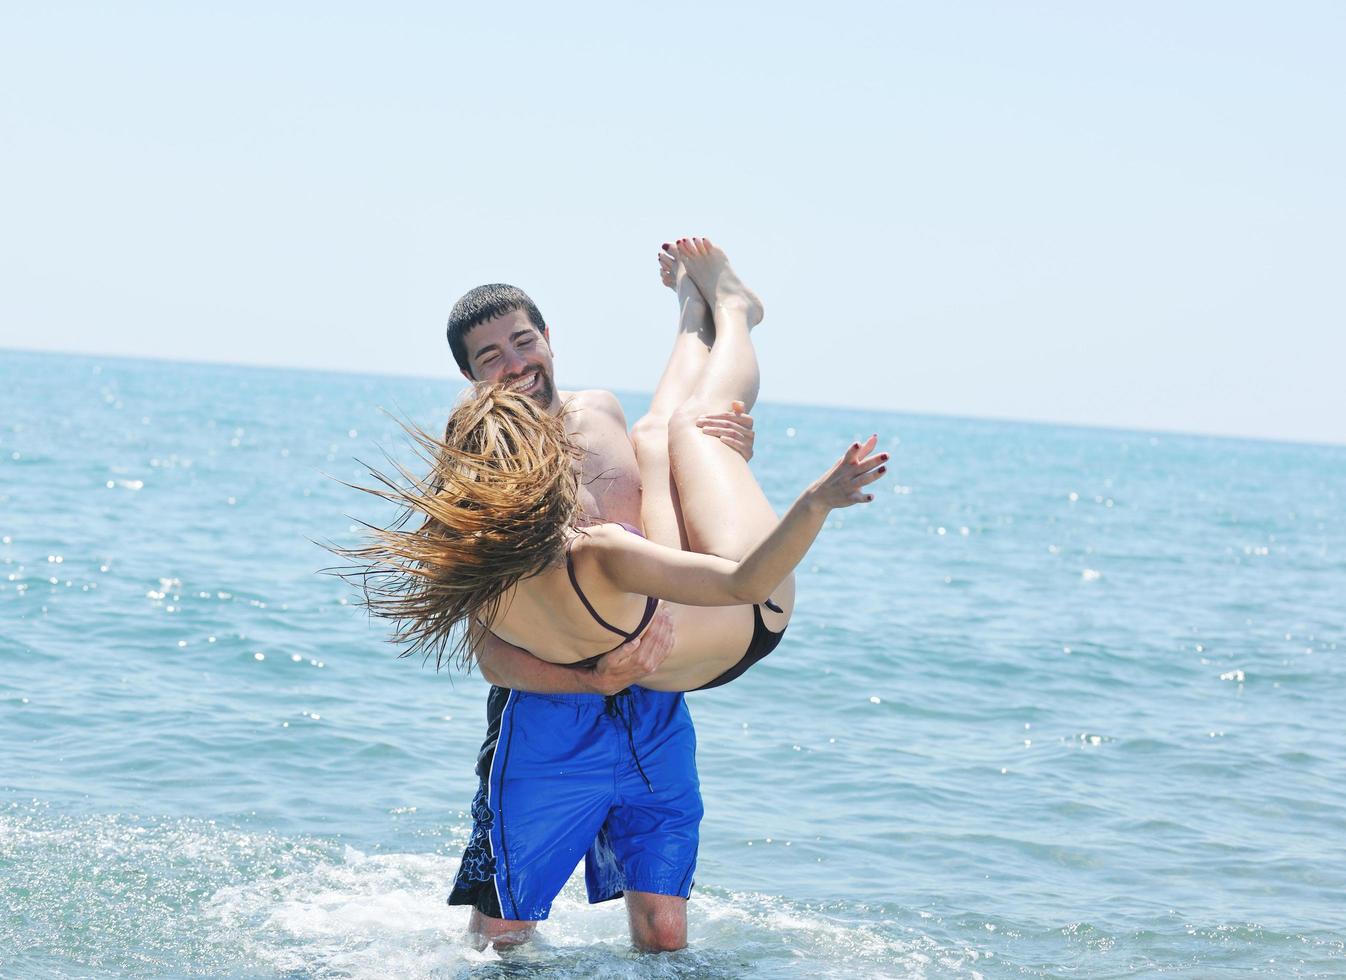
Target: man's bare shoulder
(598,400)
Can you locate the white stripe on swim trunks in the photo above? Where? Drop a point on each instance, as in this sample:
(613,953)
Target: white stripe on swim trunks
(490,780)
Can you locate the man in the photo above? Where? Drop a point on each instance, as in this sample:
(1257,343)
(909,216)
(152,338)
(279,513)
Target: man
(554,731)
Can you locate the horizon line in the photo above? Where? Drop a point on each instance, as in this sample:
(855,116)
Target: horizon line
(914,413)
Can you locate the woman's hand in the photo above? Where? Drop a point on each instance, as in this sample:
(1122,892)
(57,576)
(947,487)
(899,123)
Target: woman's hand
(843,485)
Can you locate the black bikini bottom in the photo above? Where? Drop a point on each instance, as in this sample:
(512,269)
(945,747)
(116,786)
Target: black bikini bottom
(763,642)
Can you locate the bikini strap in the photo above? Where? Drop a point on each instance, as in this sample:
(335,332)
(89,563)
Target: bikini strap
(570,570)
(651,604)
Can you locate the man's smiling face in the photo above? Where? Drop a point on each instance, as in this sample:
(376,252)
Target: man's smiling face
(509,349)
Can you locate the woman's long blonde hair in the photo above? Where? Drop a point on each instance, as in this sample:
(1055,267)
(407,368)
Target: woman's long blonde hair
(496,507)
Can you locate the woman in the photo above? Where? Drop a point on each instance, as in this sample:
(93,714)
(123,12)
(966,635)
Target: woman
(503,547)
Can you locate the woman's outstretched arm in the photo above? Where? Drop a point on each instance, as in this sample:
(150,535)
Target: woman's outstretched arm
(632,564)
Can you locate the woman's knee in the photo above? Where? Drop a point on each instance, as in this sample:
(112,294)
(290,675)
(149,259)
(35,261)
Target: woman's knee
(685,415)
(650,434)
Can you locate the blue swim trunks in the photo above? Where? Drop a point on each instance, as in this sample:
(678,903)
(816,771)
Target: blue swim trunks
(569,775)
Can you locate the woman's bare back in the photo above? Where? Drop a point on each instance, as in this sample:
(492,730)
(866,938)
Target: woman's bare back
(547,616)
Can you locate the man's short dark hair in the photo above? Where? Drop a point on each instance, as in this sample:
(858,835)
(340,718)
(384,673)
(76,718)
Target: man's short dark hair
(482,304)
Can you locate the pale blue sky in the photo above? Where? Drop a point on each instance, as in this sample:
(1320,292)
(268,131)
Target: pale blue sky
(1122,214)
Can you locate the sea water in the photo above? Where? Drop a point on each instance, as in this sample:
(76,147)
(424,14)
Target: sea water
(1061,702)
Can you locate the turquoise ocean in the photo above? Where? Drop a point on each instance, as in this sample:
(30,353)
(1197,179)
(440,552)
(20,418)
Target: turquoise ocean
(1062,702)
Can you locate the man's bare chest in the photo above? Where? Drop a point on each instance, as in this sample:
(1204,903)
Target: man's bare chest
(609,489)
(609,478)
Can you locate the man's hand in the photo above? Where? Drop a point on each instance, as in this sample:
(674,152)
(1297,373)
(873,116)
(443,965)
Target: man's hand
(733,428)
(636,659)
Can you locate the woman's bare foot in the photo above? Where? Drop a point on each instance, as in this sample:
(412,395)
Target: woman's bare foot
(668,266)
(709,268)
(673,274)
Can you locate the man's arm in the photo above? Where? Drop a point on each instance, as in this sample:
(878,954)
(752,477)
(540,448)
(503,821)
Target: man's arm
(506,665)
(733,428)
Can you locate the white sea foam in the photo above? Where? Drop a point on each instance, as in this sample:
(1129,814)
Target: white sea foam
(894,813)
(385,915)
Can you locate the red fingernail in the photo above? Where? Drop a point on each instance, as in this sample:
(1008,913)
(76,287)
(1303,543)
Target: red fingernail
(883,469)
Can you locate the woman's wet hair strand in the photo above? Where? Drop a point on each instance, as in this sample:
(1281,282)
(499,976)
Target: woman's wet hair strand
(495,508)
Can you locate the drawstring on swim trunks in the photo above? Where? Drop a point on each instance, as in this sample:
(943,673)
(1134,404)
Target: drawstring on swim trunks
(613,706)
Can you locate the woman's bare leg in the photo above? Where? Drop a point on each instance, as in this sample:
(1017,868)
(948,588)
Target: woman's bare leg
(723,510)
(659,509)
(691,344)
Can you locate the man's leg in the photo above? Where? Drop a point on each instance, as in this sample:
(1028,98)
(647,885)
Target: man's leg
(546,773)
(658,922)
(648,844)
(484,930)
